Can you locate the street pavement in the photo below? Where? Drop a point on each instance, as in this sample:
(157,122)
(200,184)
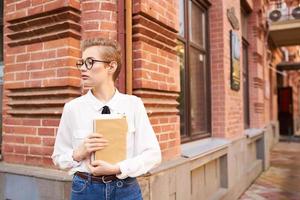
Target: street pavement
(282,180)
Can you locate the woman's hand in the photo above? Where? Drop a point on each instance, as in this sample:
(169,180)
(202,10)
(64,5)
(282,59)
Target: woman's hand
(92,143)
(100,167)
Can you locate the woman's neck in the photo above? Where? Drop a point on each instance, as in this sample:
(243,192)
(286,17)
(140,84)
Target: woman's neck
(104,92)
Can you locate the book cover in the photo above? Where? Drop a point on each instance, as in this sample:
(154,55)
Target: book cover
(114,129)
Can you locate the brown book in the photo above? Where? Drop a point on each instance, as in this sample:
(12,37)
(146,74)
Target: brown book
(114,129)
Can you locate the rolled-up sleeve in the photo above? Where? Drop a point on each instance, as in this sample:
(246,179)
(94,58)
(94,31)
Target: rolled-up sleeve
(62,155)
(148,153)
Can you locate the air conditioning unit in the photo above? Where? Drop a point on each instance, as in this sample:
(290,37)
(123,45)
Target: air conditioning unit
(278,14)
(295,12)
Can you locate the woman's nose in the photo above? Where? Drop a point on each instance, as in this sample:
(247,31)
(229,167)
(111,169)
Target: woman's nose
(82,68)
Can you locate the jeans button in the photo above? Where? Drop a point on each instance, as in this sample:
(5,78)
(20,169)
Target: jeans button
(119,183)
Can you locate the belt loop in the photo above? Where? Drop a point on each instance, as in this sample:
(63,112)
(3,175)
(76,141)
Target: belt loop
(90,178)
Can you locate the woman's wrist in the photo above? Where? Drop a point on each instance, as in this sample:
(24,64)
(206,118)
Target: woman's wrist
(78,155)
(117,170)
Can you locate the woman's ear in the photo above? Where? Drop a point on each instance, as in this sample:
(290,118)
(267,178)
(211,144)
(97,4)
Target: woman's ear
(113,66)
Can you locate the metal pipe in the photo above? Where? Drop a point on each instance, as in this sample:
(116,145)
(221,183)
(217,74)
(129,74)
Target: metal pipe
(128,29)
(121,40)
(277,71)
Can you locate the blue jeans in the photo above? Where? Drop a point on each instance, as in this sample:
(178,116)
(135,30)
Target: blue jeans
(120,189)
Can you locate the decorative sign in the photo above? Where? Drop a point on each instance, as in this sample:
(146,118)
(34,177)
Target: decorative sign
(232,18)
(234,61)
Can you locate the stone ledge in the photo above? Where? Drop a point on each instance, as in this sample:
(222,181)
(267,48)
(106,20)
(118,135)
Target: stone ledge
(38,172)
(220,193)
(167,165)
(203,147)
(254,132)
(60,175)
(191,151)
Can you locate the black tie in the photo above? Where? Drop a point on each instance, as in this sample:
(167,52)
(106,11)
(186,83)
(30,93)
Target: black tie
(105,110)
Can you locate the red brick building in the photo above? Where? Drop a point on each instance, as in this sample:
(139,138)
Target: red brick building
(212,104)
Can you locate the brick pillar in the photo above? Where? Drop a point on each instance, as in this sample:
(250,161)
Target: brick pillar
(218,95)
(234,99)
(227,104)
(41,47)
(156,68)
(257,57)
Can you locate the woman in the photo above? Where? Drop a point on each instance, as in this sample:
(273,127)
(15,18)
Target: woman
(75,141)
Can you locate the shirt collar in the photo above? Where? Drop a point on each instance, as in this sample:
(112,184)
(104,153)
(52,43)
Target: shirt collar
(97,104)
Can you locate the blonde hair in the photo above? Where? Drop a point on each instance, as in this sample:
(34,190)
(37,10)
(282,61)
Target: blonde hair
(111,52)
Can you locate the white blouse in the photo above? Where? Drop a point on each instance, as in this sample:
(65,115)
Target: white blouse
(76,123)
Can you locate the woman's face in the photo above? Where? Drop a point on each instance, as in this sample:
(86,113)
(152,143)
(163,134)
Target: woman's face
(100,71)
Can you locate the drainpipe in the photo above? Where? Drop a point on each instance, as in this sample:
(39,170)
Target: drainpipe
(128,42)
(124,32)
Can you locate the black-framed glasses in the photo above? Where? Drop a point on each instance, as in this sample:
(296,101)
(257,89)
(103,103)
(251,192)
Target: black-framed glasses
(88,62)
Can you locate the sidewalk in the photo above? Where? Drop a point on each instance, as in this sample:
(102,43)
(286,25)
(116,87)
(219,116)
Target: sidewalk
(282,179)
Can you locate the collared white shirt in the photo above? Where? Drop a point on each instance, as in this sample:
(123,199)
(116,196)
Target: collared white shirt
(76,123)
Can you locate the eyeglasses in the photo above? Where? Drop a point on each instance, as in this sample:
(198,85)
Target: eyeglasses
(88,62)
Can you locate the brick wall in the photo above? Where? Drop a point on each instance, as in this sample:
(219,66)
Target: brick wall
(42,44)
(227,108)
(217,54)
(257,65)
(227,104)
(99,19)
(234,99)
(156,68)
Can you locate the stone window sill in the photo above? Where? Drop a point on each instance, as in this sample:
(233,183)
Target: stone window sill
(203,147)
(193,150)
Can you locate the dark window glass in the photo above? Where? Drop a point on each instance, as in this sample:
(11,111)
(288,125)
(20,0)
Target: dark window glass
(181,18)
(197,22)
(245,73)
(197,91)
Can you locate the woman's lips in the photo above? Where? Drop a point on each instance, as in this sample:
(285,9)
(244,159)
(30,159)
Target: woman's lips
(84,77)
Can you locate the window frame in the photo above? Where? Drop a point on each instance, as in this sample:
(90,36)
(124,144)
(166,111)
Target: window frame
(205,50)
(245,72)
(246,94)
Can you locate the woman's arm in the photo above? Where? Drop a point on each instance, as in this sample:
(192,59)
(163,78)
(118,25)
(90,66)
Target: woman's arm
(146,144)
(63,151)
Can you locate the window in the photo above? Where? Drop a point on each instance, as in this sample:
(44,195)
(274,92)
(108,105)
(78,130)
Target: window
(246,85)
(194,98)
(245,76)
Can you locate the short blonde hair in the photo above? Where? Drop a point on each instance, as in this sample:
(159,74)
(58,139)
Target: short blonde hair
(112,51)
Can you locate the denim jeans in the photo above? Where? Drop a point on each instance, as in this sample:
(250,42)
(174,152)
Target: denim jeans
(120,189)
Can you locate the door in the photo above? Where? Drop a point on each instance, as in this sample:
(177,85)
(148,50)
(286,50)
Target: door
(285,110)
